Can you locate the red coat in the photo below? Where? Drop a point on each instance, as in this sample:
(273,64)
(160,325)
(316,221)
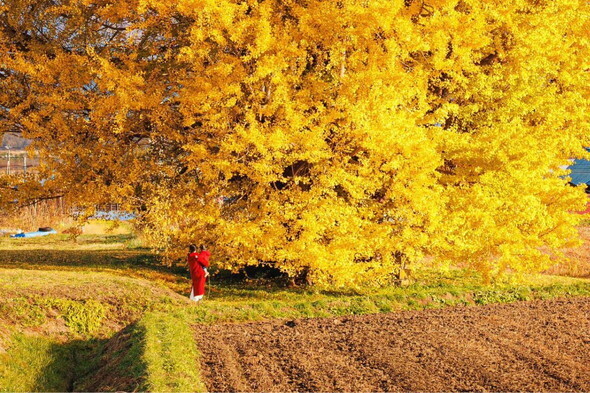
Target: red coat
(196,263)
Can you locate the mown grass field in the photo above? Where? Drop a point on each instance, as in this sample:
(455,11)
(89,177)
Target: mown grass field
(102,313)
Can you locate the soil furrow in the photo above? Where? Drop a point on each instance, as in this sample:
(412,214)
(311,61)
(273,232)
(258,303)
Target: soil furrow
(526,346)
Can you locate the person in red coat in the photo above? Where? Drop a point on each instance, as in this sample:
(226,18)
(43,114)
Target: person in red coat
(198,262)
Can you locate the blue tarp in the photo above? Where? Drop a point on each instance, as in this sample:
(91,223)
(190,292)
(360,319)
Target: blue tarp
(34,234)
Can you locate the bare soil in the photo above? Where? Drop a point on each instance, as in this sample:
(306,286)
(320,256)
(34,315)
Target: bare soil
(526,346)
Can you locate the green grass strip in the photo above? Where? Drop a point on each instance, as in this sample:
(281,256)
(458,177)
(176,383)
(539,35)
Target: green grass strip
(241,304)
(171,354)
(34,364)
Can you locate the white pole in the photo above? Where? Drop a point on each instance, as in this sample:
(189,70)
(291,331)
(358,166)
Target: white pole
(25,164)
(8,163)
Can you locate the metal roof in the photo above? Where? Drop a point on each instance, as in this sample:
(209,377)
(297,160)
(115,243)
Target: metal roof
(580,172)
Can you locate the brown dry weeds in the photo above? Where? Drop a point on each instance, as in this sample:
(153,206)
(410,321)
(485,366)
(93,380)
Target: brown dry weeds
(527,346)
(580,256)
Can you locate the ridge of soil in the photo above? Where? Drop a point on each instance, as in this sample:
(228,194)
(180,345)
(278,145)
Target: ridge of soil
(116,365)
(525,346)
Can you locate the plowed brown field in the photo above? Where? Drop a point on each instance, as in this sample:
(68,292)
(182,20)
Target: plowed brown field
(527,346)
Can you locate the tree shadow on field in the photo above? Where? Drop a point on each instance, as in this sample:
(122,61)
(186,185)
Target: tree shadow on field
(262,281)
(109,259)
(116,364)
(60,373)
(94,364)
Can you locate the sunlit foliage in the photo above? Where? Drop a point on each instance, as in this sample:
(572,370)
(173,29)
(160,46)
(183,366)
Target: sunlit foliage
(339,141)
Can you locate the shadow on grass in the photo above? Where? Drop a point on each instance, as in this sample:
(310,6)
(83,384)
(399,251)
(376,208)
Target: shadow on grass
(133,261)
(64,365)
(61,241)
(111,259)
(116,364)
(105,239)
(95,364)
(42,364)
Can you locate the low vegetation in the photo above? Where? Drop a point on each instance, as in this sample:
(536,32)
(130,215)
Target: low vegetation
(62,319)
(102,314)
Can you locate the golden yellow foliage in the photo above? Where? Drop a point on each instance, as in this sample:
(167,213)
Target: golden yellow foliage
(336,140)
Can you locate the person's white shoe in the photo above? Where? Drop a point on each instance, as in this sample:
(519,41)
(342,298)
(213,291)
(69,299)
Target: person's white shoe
(195,298)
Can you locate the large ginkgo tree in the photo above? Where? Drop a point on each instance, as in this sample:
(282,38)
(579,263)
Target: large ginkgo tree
(338,141)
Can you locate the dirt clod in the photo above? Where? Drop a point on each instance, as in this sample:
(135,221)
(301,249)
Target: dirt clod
(527,346)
